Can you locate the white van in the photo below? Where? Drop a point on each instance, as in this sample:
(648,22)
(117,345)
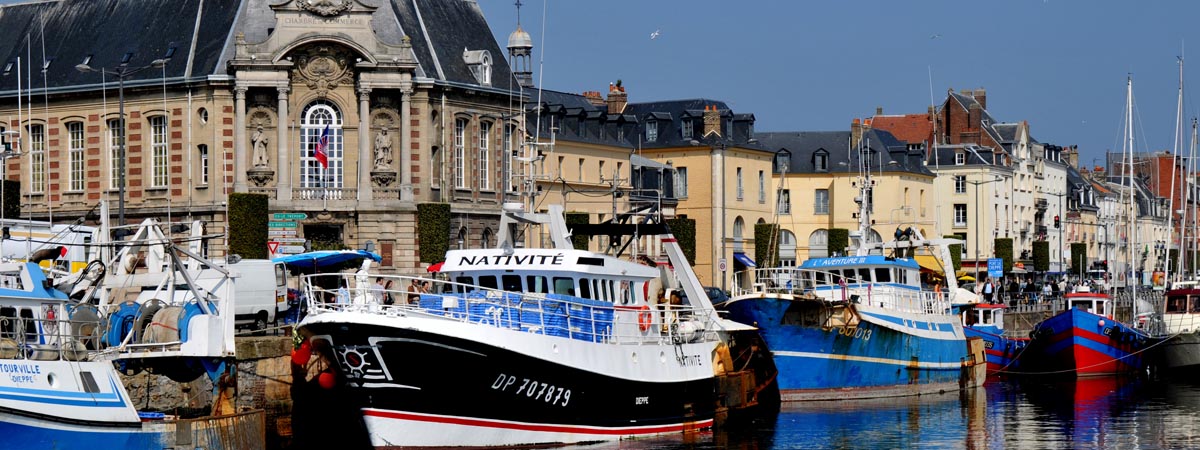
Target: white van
(260,292)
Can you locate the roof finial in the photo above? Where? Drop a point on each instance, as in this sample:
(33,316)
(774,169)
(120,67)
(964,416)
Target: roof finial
(518,3)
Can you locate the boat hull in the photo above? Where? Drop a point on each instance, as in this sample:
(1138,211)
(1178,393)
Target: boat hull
(1085,344)
(887,354)
(1003,353)
(1181,352)
(435,383)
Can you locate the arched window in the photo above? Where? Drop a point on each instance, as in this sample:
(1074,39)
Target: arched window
(487,241)
(321,120)
(462,238)
(787,248)
(739,227)
(818,244)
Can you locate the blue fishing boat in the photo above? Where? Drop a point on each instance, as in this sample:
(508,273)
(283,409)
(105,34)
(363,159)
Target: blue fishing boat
(1085,340)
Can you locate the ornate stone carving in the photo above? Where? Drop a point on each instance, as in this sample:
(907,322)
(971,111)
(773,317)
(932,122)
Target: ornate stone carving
(325,7)
(382,178)
(323,68)
(260,117)
(260,176)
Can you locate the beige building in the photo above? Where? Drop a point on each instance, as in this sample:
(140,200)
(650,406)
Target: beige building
(411,103)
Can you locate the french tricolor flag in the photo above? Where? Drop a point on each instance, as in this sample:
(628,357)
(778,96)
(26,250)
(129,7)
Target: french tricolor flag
(319,150)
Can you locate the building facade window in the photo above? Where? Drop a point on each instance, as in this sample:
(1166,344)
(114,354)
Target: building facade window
(651,131)
(681,182)
(960,158)
(75,181)
(203,150)
(739,230)
(687,128)
(818,244)
(821,201)
(821,161)
(960,215)
(785,202)
(580,172)
(321,119)
(960,184)
(460,153)
(485,132)
(114,152)
(787,248)
(740,188)
(37,158)
(158,151)
(762,187)
(508,158)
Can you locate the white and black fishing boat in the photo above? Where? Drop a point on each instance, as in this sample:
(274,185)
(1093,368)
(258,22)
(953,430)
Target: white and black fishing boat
(523,346)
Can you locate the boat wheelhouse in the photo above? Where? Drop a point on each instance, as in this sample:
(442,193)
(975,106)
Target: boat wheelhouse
(1181,326)
(986,321)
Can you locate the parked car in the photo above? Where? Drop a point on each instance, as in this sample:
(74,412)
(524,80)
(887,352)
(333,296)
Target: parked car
(715,294)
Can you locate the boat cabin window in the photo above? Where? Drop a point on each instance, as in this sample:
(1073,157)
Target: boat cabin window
(1177,304)
(1085,305)
(534,283)
(464,284)
(488,281)
(30,326)
(626,293)
(564,286)
(835,277)
(8,322)
(512,283)
(864,275)
(985,316)
(820,278)
(585,288)
(1194,305)
(883,275)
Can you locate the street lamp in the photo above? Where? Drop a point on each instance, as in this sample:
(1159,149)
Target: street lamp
(123,71)
(976,233)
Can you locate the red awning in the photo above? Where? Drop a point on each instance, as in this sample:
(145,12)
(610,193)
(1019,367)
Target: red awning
(436,267)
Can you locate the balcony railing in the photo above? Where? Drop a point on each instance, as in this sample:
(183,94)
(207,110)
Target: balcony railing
(325,194)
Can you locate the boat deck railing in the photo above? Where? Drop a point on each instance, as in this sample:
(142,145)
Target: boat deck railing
(548,314)
(794,281)
(46,339)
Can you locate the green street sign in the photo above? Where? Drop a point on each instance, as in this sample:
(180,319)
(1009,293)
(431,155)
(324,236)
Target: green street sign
(281,224)
(289,216)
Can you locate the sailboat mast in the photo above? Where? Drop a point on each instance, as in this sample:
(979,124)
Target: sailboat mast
(1130,247)
(1189,185)
(1171,197)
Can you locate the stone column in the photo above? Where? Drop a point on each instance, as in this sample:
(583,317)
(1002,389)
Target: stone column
(240,159)
(283,159)
(365,153)
(405,129)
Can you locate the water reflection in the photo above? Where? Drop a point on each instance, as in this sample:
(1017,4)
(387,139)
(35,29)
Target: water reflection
(1125,413)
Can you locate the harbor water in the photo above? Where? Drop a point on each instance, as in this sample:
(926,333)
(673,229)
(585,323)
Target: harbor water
(1036,414)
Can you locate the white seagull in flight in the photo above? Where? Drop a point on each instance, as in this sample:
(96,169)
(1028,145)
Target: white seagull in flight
(655,34)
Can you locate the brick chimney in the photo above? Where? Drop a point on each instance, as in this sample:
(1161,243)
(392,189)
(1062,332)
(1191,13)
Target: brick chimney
(974,116)
(879,110)
(712,120)
(1070,155)
(856,132)
(616,98)
(594,98)
(981,97)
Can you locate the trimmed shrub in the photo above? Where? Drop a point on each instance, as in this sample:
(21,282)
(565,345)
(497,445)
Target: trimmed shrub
(956,251)
(684,230)
(1078,257)
(12,199)
(578,218)
(766,244)
(248,225)
(433,230)
(1004,250)
(839,239)
(1041,256)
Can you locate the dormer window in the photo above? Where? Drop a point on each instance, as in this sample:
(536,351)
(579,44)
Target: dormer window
(783,161)
(651,131)
(821,161)
(687,128)
(480,63)
(960,158)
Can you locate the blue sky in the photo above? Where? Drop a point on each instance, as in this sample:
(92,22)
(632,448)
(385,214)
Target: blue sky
(807,65)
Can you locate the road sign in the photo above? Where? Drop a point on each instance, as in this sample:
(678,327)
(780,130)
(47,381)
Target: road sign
(281,224)
(291,249)
(722,264)
(273,246)
(289,216)
(995,267)
(274,233)
(291,240)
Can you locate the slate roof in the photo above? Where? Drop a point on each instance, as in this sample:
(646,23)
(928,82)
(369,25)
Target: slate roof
(803,145)
(107,30)
(976,155)
(670,115)
(989,122)
(567,110)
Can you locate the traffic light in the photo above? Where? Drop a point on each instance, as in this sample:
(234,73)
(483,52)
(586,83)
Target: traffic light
(1057,223)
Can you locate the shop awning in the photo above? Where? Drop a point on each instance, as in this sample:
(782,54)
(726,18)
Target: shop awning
(929,262)
(743,259)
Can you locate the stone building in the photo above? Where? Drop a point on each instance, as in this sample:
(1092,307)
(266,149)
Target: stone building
(412,99)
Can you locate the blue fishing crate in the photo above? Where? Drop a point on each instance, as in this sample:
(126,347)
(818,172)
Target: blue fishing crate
(449,305)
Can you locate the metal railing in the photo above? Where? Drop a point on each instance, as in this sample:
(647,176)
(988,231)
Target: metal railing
(42,339)
(550,314)
(833,287)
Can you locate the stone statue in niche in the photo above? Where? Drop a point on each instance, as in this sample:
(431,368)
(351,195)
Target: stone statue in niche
(383,150)
(259,141)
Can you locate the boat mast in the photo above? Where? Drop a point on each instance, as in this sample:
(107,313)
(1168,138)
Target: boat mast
(1175,147)
(864,196)
(1189,186)
(1131,241)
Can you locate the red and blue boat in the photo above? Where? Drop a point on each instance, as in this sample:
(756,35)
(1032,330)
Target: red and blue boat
(986,321)
(1085,340)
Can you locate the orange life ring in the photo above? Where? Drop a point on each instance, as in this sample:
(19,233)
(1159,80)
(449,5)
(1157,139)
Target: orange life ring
(644,318)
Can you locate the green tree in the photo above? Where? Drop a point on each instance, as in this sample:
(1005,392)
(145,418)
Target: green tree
(684,230)
(433,231)
(1079,257)
(1041,256)
(766,244)
(248,225)
(1004,251)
